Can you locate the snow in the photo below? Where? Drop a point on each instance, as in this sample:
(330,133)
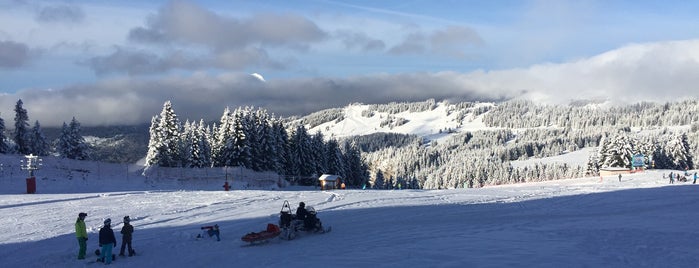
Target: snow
(639,222)
(426,124)
(573,159)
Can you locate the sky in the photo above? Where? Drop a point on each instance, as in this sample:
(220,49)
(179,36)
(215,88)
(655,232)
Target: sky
(117,62)
(640,221)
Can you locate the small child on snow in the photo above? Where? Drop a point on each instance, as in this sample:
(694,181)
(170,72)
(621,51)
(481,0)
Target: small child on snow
(126,237)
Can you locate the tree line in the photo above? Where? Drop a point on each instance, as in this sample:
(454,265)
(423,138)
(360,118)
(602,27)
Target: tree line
(252,138)
(527,130)
(25,140)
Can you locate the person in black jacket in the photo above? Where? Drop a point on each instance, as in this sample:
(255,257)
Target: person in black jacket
(107,241)
(301,212)
(126,232)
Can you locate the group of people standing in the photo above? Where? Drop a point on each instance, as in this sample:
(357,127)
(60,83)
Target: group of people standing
(678,177)
(107,240)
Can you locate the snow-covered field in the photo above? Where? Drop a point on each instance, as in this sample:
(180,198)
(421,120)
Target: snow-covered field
(638,222)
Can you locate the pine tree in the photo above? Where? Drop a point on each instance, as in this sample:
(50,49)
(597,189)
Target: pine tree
(71,143)
(300,155)
(39,145)
(222,145)
(679,152)
(355,169)
(4,148)
(78,143)
(333,154)
(21,133)
(281,142)
(154,143)
(165,146)
(618,152)
(241,128)
(202,146)
(318,154)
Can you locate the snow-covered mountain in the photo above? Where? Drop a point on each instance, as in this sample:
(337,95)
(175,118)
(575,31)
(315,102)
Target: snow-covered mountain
(430,120)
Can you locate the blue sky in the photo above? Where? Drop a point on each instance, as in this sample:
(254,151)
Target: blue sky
(321,54)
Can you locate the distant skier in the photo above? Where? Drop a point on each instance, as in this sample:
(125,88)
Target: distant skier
(672,178)
(695,178)
(107,240)
(213,230)
(126,237)
(81,234)
(619,177)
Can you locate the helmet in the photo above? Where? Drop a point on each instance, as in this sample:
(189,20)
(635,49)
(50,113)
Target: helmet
(108,221)
(82,214)
(127,219)
(302,204)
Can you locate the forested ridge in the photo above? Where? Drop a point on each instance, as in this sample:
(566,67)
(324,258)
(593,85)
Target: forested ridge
(666,134)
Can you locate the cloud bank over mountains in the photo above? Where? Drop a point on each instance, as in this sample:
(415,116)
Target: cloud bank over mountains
(640,72)
(115,63)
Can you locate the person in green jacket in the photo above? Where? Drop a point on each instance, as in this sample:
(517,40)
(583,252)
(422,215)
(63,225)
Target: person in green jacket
(81,234)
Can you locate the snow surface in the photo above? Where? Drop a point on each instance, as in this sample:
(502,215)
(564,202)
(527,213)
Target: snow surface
(426,124)
(641,221)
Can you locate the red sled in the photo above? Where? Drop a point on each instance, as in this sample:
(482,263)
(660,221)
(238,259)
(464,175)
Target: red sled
(271,232)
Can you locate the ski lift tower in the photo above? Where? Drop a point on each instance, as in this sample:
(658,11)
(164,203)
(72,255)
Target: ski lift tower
(33,162)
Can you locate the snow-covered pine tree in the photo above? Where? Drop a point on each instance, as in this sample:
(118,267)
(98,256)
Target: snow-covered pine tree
(187,144)
(79,148)
(679,152)
(266,150)
(618,152)
(355,169)
(242,125)
(333,154)
(281,142)
(222,145)
(300,153)
(154,143)
(71,143)
(379,181)
(4,148)
(21,132)
(39,145)
(201,146)
(164,148)
(592,165)
(318,153)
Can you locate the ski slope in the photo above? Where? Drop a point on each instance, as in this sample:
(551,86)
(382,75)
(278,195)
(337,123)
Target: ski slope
(641,221)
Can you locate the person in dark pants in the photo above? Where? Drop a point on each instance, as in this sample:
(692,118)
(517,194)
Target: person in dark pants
(126,237)
(107,241)
(81,234)
(301,212)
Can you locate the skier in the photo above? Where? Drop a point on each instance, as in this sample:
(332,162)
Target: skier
(619,177)
(126,236)
(672,178)
(107,240)
(213,230)
(81,234)
(695,178)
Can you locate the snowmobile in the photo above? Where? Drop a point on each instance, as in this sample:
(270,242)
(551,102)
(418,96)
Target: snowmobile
(291,227)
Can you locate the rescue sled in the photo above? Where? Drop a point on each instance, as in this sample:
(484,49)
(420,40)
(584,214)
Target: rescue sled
(272,231)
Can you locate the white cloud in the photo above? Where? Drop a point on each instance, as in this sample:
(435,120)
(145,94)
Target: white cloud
(640,72)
